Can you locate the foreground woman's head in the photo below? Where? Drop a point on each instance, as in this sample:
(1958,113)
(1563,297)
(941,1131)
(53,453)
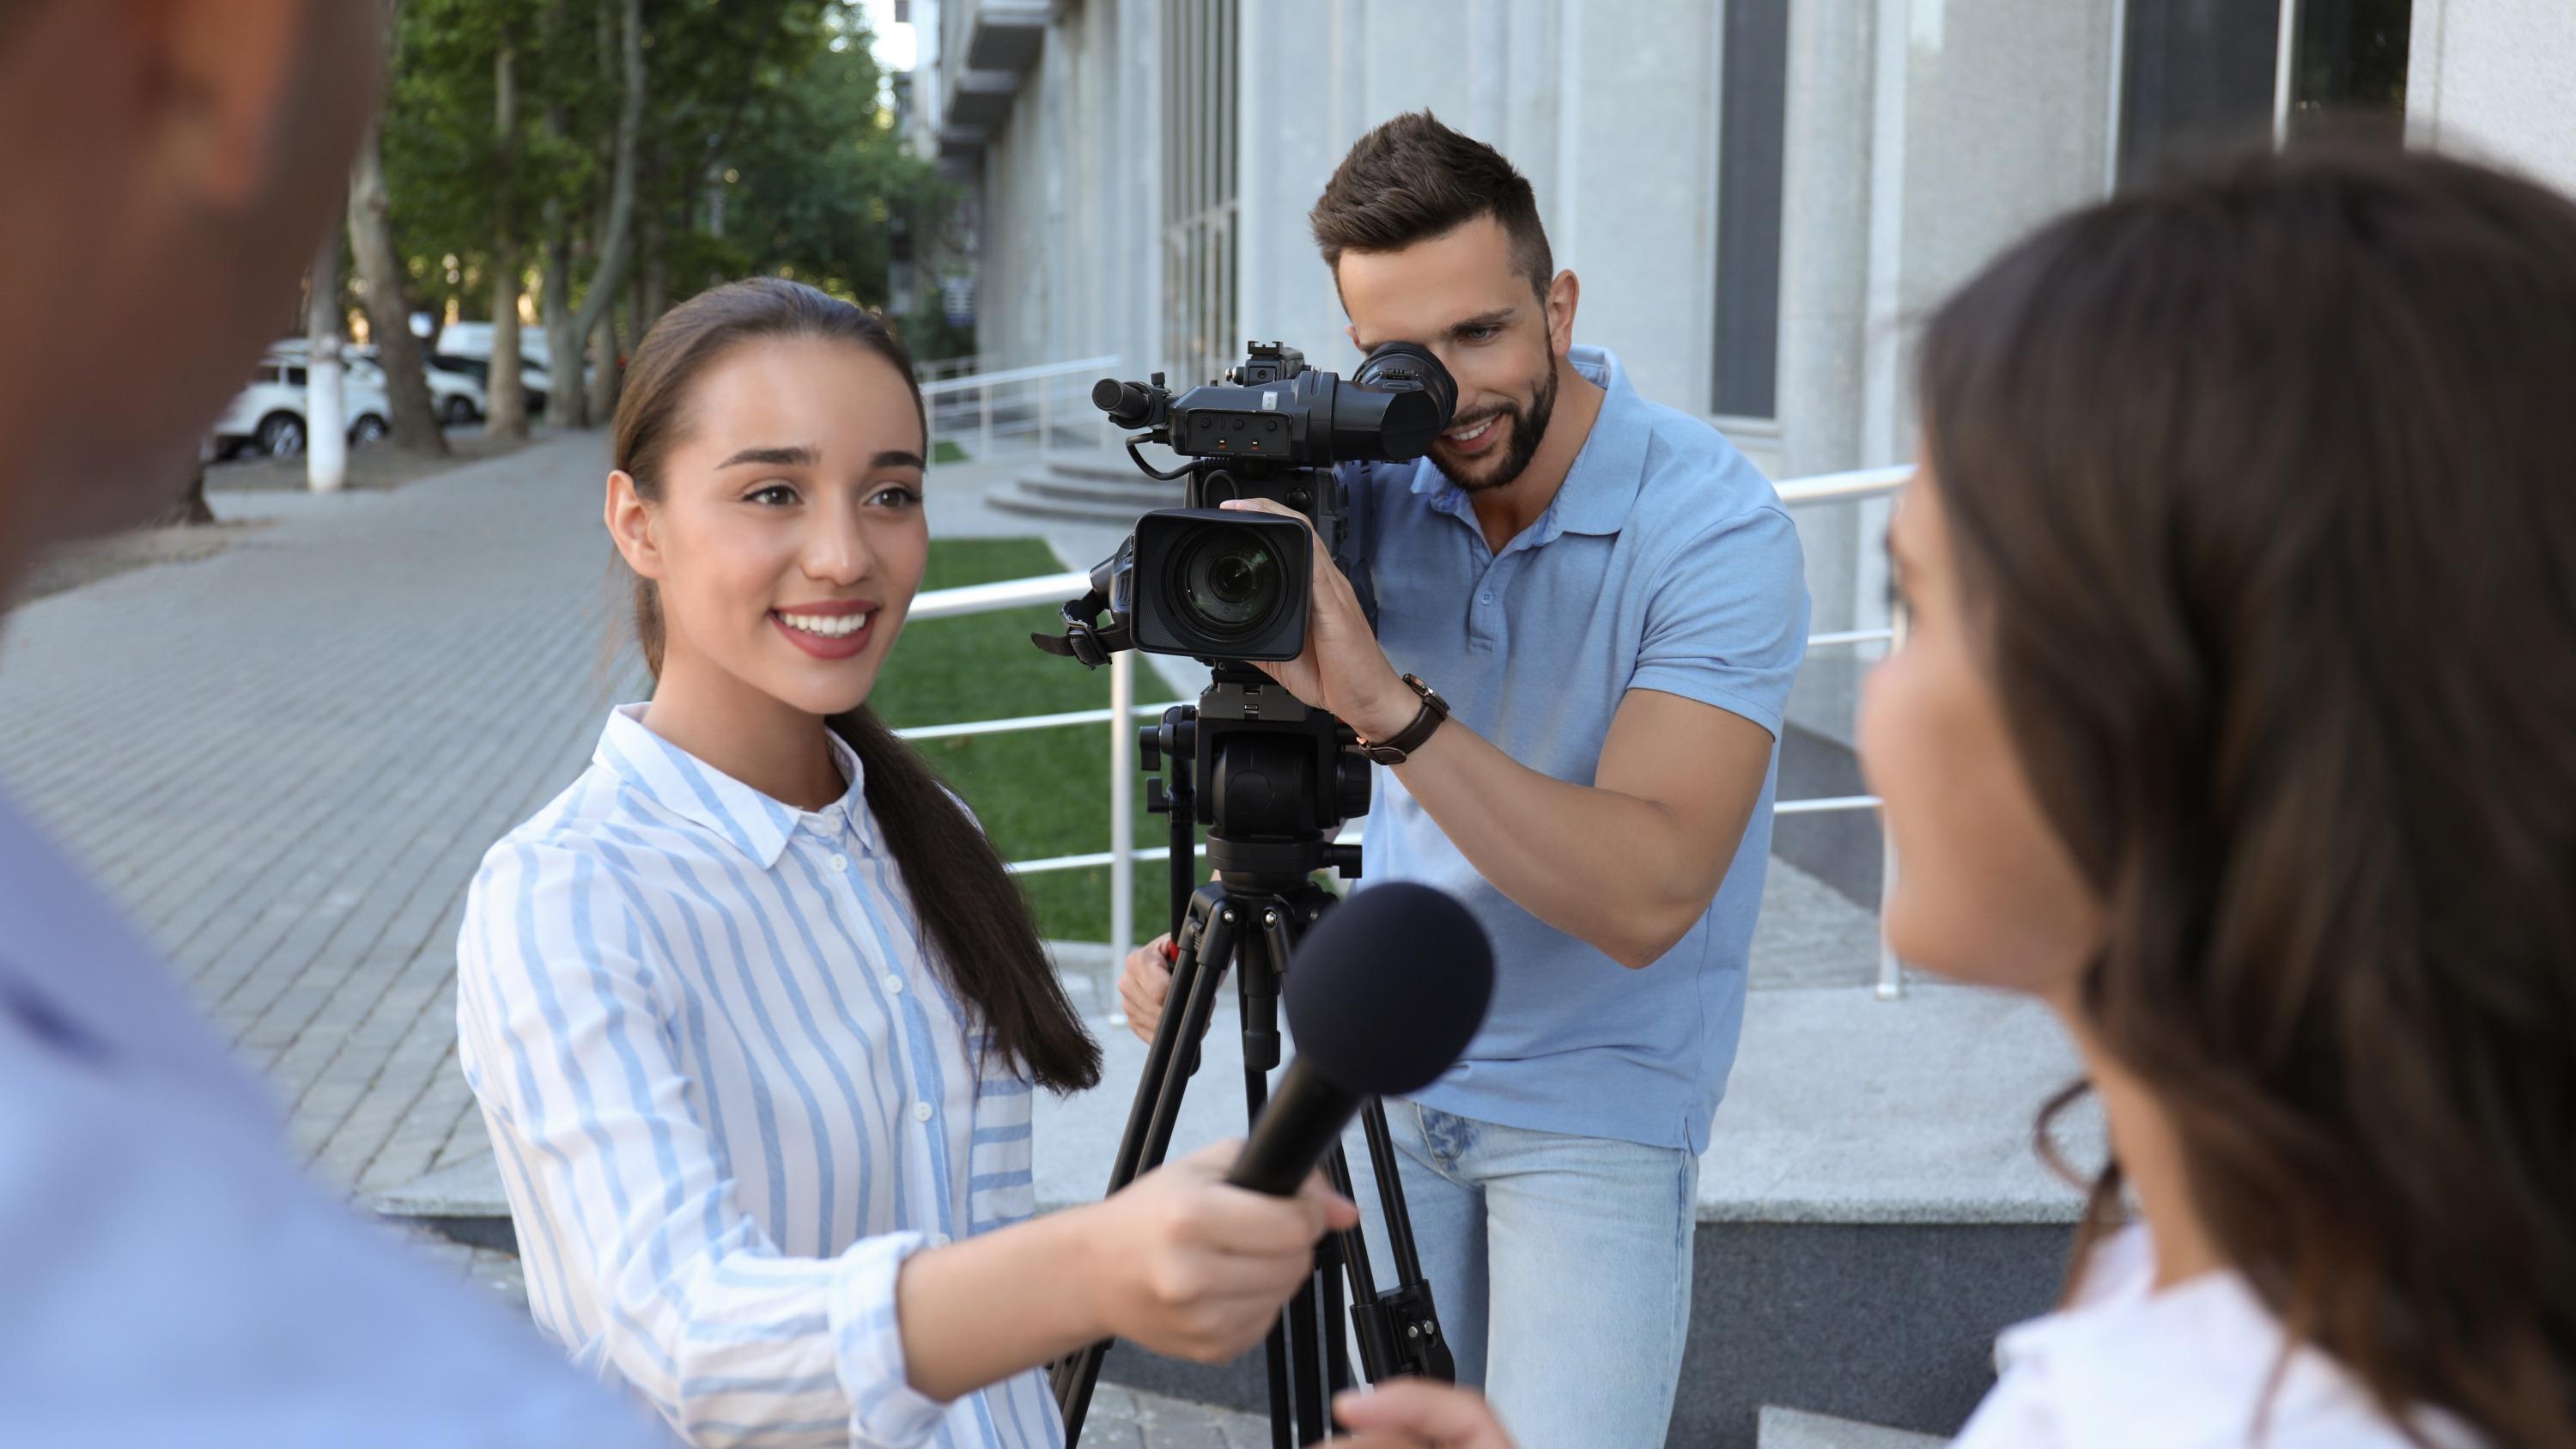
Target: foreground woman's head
(2239,719)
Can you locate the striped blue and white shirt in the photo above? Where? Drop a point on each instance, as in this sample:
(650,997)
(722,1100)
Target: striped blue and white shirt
(730,1094)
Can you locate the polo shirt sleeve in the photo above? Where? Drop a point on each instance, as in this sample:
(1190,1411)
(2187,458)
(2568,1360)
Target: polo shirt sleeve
(1726,618)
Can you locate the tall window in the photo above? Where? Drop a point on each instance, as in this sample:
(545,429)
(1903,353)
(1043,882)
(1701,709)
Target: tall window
(2198,72)
(1199,117)
(1752,116)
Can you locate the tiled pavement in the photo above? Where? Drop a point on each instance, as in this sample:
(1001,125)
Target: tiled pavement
(286,759)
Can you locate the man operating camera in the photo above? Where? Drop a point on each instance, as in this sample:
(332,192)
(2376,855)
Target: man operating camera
(1590,610)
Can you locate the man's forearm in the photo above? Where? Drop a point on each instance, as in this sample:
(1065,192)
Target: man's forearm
(1612,870)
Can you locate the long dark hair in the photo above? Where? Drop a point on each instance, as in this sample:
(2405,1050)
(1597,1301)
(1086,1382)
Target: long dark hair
(2263,484)
(972,912)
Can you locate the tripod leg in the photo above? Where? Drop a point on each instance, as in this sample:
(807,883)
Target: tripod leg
(1274,1348)
(1158,1106)
(1314,1418)
(1399,1220)
(1402,1324)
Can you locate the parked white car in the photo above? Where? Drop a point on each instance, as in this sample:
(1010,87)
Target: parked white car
(268,415)
(467,346)
(455,395)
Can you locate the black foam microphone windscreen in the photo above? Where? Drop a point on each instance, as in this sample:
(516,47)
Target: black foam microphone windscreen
(1383,996)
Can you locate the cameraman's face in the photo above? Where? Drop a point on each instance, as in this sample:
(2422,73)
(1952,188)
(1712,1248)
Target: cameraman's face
(1460,295)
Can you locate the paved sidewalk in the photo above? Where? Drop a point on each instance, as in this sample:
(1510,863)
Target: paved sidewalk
(285,760)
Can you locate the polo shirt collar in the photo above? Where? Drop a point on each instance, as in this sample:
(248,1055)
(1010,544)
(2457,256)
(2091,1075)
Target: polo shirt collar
(698,792)
(1601,487)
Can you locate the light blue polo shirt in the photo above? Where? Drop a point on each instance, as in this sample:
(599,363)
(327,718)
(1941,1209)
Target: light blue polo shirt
(1667,563)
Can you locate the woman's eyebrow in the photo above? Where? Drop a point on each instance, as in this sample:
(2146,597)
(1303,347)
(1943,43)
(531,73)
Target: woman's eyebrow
(895,458)
(801,455)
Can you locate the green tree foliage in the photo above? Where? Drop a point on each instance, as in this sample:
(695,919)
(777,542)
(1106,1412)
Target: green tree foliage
(768,146)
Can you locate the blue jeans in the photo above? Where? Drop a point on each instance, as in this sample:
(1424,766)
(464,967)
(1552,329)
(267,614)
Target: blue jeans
(1560,1267)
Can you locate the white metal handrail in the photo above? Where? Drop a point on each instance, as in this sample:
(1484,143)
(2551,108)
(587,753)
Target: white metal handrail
(975,380)
(1123,710)
(1015,402)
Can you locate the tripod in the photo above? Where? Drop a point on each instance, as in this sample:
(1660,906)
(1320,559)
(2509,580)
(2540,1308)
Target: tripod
(1249,919)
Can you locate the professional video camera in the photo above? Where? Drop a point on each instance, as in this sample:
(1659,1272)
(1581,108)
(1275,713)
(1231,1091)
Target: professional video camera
(1226,586)
(1271,778)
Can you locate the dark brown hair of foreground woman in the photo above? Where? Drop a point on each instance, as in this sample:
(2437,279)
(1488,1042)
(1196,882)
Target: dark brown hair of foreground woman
(2264,491)
(972,911)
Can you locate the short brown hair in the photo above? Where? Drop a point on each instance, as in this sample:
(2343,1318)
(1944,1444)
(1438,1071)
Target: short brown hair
(1413,179)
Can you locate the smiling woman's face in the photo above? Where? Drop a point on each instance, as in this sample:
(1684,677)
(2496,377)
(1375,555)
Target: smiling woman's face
(789,537)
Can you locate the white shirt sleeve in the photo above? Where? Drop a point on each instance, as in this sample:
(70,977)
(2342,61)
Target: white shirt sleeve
(638,1254)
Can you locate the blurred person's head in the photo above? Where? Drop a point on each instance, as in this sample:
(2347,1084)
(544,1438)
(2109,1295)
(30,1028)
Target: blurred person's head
(1434,238)
(171,167)
(2238,719)
(767,493)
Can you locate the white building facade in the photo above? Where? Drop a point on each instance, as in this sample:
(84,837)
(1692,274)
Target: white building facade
(1761,197)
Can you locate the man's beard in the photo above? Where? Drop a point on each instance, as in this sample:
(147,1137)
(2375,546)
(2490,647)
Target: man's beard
(1529,425)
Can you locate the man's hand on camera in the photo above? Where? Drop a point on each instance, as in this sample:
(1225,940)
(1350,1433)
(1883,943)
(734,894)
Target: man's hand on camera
(1342,671)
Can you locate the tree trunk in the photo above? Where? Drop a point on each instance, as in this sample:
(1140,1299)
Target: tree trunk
(415,422)
(603,370)
(567,401)
(505,396)
(326,423)
(191,507)
(616,246)
(655,298)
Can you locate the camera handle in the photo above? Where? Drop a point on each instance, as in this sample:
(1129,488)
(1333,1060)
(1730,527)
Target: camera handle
(1086,640)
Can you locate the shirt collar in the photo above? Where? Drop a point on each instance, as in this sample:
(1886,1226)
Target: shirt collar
(1601,487)
(694,790)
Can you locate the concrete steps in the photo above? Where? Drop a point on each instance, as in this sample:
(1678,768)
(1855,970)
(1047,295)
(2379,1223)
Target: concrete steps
(1098,488)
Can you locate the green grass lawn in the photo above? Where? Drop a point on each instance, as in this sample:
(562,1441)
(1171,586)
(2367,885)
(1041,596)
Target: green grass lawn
(1039,792)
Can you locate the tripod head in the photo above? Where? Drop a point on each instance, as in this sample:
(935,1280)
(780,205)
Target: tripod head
(1276,779)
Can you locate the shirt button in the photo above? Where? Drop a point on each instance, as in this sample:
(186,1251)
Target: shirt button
(894,983)
(840,863)
(921,1111)
(1486,597)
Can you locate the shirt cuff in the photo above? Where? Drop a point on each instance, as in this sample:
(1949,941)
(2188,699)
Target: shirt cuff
(867,1345)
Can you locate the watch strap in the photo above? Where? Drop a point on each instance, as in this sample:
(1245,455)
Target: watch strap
(1400,747)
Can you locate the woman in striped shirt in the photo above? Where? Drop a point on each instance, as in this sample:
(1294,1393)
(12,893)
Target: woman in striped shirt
(752,1010)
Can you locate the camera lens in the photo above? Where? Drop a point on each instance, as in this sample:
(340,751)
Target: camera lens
(1230,581)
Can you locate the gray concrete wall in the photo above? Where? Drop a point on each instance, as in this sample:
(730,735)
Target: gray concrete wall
(1608,108)
(1072,198)
(2497,79)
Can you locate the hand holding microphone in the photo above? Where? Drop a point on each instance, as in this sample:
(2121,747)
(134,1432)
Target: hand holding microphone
(1193,1268)
(1382,996)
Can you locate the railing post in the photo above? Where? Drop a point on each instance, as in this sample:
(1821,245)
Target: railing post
(1122,804)
(1891,971)
(984,437)
(1046,391)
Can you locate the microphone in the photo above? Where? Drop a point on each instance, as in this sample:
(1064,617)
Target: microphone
(1383,996)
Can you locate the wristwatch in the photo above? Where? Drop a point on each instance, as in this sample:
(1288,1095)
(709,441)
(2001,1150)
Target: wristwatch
(1400,748)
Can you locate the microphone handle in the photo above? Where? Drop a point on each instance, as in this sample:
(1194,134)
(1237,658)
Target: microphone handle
(1300,1124)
